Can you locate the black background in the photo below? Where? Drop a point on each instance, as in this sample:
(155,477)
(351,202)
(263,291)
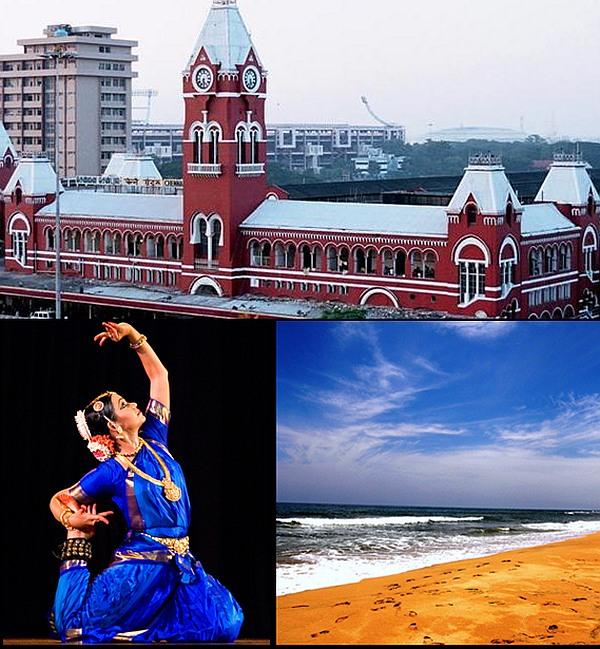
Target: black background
(222,432)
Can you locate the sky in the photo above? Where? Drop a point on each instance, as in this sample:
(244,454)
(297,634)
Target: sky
(426,64)
(454,414)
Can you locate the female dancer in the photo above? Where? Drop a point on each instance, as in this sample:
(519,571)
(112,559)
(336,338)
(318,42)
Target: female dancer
(154,589)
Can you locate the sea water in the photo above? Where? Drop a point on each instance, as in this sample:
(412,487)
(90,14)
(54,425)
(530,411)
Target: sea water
(326,545)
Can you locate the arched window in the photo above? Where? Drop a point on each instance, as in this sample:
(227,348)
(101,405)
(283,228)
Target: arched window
(49,238)
(77,240)
(214,137)
(160,246)
(108,243)
(265,254)
(332,259)
(306,257)
(198,141)
(387,262)
(548,260)
(255,254)
(241,145)
(471,212)
(88,241)
(429,263)
(117,243)
(591,204)
(589,248)
(416,264)
(178,247)
(508,265)
(569,255)
(535,262)
(279,251)
(371,261)
(18,195)
(360,261)
(562,257)
(554,258)
(19,230)
(400,263)
(472,257)
(509,213)
(215,239)
(344,259)
(151,246)
(68,239)
(290,256)
(254,145)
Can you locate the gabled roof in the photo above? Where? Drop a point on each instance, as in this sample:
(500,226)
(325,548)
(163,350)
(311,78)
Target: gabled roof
(567,182)
(542,218)
(129,165)
(6,143)
(224,36)
(139,207)
(36,177)
(372,218)
(489,186)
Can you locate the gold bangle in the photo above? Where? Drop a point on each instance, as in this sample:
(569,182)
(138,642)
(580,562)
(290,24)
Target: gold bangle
(139,342)
(62,518)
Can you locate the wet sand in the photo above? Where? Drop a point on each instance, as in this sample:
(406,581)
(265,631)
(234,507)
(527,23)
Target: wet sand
(548,594)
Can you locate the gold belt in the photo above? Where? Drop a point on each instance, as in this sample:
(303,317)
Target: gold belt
(178,546)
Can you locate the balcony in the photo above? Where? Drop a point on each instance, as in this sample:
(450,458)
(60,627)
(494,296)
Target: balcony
(199,169)
(204,264)
(250,169)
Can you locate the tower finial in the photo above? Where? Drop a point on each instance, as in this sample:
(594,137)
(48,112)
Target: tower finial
(224,3)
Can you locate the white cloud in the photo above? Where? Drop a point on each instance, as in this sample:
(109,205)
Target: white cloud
(488,330)
(577,421)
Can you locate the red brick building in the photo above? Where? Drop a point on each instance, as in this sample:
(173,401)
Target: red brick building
(483,255)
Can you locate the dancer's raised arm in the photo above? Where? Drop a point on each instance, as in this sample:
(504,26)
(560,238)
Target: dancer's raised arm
(155,370)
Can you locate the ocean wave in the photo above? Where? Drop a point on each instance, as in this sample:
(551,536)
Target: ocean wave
(380,520)
(571,526)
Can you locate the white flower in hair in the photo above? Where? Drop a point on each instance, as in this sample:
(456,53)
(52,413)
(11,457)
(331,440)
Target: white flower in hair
(82,426)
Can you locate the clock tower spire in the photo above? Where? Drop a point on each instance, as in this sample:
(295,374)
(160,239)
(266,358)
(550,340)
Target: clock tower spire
(224,150)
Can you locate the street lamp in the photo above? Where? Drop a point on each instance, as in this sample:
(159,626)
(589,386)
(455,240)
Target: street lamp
(58,54)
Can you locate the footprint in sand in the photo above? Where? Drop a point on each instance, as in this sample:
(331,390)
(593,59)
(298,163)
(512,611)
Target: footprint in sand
(409,580)
(413,626)
(461,570)
(316,635)
(412,614)
(478,575)
(342,604)
(397,604)
(455,578)
(301,606)
(341,619)
(550,604)
(387,600)
(579,599)
(521,597)
(505,561)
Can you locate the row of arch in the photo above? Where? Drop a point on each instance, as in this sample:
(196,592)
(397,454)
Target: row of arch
(206,138)
(568,313)
(111,242)
(343,259)
(550,259)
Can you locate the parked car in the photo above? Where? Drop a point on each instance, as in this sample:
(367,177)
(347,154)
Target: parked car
(43,315)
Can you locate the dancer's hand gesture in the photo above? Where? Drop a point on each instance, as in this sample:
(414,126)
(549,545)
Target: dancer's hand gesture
(85,519)
(113,332)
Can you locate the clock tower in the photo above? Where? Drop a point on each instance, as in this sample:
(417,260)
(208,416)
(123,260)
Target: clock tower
(224,151)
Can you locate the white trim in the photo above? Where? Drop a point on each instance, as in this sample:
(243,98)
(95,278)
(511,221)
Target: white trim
(378,291)
(541,288)
(206,281)
(18,216)
(508,241)
(545,278)
(471,241)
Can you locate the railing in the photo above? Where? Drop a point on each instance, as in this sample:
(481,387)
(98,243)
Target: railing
(200,264)
(204,169)
(487,159)
(561,156)
(250,169)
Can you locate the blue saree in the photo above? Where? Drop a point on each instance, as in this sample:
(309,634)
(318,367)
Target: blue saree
(153,589)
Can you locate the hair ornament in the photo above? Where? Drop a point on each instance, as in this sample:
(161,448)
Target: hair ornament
(102,447)
(82,426)
(98,406)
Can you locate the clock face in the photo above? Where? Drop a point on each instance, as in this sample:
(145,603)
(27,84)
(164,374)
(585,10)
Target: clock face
(251,79)
(203,78)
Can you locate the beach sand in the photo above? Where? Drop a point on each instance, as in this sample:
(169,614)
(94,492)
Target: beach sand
(548,594)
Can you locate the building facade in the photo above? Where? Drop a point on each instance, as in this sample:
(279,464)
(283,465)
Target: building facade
(92,97)
(483,255)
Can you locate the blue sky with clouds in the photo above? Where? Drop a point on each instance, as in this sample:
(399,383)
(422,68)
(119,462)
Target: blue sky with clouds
(442,414)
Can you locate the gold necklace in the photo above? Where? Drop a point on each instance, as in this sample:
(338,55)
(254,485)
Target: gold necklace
(171,490)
